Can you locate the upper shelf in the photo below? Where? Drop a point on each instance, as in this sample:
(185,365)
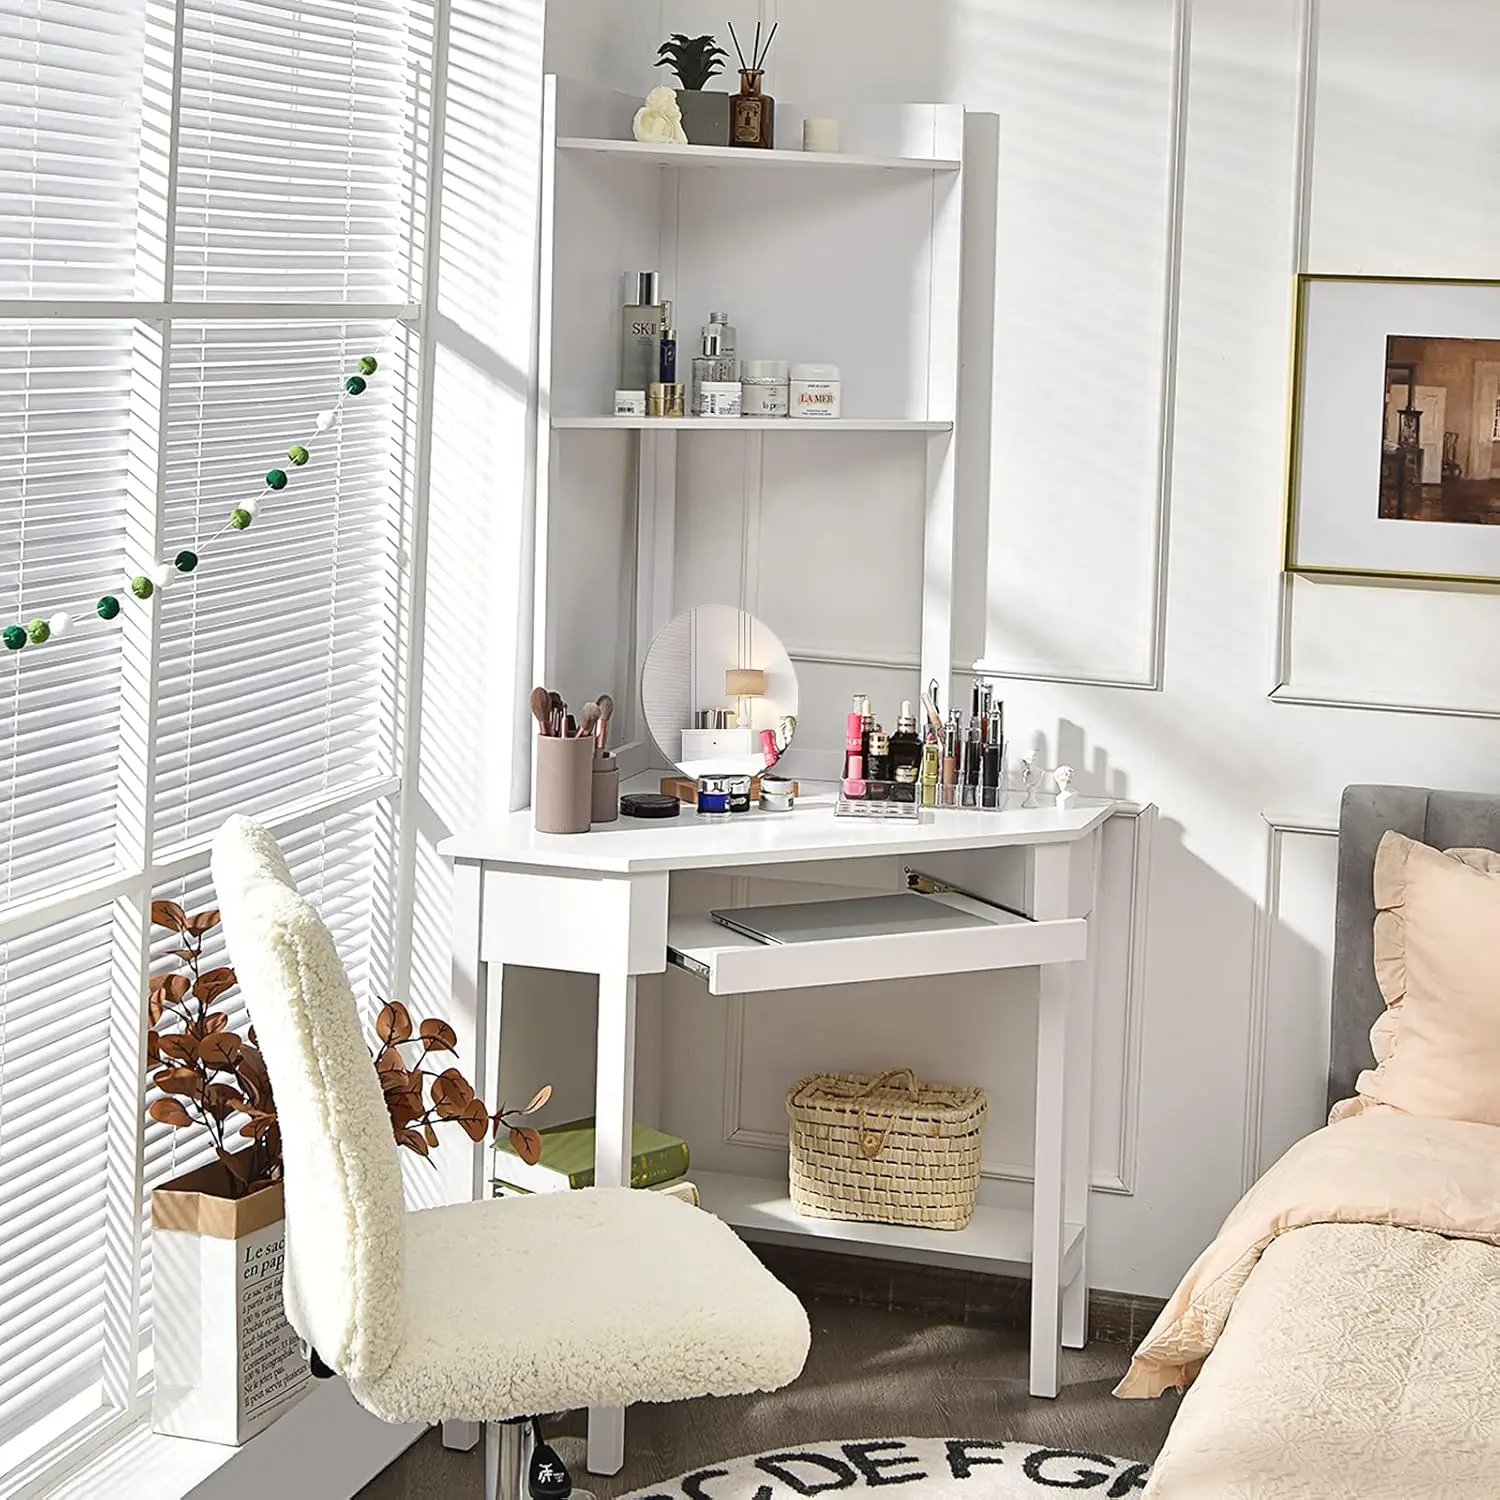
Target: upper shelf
(738,157)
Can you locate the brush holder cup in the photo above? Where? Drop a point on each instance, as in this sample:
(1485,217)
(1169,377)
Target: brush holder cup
(606,789)
(564,785)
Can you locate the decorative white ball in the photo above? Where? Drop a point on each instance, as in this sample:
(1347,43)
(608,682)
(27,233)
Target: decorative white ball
(326,419)
(61,623)
(162,574)
(252,505)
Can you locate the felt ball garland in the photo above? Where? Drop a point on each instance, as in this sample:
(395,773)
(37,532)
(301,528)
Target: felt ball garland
(146,584)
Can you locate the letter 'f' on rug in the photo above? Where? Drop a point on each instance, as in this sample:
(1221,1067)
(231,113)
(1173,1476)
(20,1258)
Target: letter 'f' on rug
(924,1469)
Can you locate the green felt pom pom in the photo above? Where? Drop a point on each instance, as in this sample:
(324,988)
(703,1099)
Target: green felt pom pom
(14,637)
(276,479)
(108,607)
(355,384)
(185,561)
(368,364)
(142,587)
(38,632)
(298,454)
(240,519)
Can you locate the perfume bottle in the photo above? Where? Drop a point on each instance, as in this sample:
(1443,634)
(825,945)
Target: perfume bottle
(729,338)
(642,319)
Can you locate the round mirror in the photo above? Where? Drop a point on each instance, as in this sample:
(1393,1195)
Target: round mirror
(719,693)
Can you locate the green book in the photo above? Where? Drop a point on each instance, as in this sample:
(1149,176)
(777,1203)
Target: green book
(568,1158)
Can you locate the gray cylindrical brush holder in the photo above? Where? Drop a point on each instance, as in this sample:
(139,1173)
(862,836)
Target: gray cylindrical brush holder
(606,780)
(564,784)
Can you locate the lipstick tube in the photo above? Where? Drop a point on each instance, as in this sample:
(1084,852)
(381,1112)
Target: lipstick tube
(973,761)
(989,775)
(854,751)
(952,750)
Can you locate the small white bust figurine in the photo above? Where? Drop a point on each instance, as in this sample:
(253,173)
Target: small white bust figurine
(1063,776)
(659,119)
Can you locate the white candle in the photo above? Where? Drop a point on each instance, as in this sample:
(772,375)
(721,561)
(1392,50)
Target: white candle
(820,135)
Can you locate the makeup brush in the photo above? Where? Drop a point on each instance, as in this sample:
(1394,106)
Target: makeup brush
(541,708)
(606,713)
(589,722)
(558,710)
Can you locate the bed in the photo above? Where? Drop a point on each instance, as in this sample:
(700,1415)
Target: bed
(1341,1337)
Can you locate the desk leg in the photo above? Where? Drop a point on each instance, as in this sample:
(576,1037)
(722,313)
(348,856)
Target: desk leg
(1078,1162)
(1050,891)
(614,1110)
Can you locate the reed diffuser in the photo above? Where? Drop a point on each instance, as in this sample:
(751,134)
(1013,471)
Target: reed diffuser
(752,112)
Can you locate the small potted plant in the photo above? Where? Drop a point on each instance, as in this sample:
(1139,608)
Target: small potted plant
(697,60)
(227,1361)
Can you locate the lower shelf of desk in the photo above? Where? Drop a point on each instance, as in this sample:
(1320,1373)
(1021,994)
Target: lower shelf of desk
(997,1240)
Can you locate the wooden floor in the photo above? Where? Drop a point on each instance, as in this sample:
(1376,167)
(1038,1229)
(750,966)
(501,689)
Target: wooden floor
(871,1373)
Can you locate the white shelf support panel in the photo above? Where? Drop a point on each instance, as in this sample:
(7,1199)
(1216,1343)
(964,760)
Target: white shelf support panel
(788,425)
(730,158)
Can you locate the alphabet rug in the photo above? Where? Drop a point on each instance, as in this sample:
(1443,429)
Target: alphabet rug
(924,1468)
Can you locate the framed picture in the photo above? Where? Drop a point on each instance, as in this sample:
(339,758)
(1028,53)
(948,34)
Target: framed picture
(1395,447)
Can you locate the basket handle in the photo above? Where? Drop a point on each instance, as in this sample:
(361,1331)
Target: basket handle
(872,1143)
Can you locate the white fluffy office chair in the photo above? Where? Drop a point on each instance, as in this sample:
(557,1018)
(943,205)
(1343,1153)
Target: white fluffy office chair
(484,1312)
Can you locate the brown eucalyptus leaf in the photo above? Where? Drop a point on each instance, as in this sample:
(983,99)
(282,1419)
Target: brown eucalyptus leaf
(258,1124)
(393,1024)
(203,921)
(438,1036)
(451,1087)
(390,1063)
(187,955)
(538,1099)
(221,1050)
(527,1143)
(155,1010)
(474,1120)
(178,1045)
(430,1135)
(223,1100)
(185,1081)
(213,984)
(215,1021)
(153,1047)
(250,1037)
(170,988)
(404,1106)
(240,1165)
(169,914)
(413,1140)
(169,1112)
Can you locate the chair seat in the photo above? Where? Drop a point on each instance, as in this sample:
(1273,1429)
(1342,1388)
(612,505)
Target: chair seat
(598,1298)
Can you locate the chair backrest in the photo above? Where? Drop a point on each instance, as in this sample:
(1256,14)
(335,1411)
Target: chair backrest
(345,1211)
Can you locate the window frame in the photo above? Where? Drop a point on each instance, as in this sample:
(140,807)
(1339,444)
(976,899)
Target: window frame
(142,865)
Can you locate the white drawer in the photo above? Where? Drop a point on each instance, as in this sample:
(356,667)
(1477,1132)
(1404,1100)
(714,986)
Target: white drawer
(736,965)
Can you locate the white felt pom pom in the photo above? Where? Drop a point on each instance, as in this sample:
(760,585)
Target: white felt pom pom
(61,623)
(162,574)
(252,505)
(326,419)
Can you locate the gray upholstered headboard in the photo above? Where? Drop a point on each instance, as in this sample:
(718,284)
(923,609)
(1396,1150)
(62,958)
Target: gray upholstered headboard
(1446,820)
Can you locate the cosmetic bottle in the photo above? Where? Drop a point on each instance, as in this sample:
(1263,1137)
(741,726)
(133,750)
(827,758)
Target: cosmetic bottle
(867,728)
(668,357)
(989,771)
(931,755)
(973,759)
(854,751)
(641,322)
(765,389)
(906,755)
(878,766)
(952,749)
(712,365)
(729,341)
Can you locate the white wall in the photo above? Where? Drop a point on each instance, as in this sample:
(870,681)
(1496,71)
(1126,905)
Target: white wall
(1165,166)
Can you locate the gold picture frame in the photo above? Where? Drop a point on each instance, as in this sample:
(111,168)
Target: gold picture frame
(1331,370)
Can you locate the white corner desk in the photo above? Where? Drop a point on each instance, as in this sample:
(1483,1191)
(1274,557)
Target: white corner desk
(597,903)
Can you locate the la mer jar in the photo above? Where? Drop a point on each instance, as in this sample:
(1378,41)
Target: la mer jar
(815,391)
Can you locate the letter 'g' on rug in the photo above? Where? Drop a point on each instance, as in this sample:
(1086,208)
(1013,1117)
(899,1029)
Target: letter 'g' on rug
(922,1468)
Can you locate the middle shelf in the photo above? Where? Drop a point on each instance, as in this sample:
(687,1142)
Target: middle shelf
(745,424)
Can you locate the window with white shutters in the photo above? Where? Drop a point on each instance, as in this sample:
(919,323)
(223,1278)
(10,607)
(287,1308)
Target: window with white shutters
(209,211)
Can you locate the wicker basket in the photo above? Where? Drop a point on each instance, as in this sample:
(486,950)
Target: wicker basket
(886,1150)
